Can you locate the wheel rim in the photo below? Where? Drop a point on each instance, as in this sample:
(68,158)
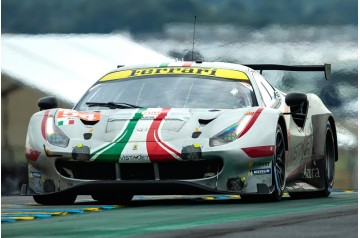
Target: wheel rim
(280,161)
(330,159)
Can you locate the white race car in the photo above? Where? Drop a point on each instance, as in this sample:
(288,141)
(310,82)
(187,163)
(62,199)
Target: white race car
(183,128)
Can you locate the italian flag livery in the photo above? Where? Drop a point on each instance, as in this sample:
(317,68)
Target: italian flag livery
(139,140)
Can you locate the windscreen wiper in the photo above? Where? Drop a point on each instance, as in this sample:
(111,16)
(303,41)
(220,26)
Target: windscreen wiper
(112,105)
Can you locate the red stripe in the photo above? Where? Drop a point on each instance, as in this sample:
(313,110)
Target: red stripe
(155,151)
(251,122)
(259,151)
(43,124)
(165,145)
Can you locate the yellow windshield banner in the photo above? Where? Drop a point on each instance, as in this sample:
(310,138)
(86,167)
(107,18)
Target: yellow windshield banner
(212,72)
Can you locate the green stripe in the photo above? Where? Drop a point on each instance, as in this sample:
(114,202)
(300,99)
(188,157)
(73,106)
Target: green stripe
(112,152)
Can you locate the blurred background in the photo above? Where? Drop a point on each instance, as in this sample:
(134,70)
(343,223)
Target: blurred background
(62,47)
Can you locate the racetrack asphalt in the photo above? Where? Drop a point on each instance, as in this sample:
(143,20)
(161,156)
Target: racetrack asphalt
(184,216)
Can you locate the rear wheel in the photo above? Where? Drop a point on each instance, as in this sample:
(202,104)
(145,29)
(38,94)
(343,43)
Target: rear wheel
(278,172)
(330,155)
(55,199)
(113,199)
(328,168)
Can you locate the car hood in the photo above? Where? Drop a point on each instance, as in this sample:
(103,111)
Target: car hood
(144,124)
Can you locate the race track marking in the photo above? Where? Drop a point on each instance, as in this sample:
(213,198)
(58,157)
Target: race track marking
(15,212)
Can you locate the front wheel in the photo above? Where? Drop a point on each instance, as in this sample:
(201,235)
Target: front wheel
(278,172)
(278,167)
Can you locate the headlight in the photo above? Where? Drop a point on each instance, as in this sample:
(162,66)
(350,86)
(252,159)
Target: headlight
(236,130)
(54,135)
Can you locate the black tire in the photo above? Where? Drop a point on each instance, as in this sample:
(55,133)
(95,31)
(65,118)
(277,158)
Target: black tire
(328,165)
(330,155)
(278,172)
(279,167)
(55,199)
(113,199)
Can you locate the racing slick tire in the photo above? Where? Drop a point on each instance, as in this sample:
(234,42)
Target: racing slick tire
(278,175)
(113,199)
(55,199)
(328,166)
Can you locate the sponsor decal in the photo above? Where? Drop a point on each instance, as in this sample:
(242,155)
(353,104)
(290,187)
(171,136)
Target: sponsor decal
(210,72)
(35,174)
(311,173)
(134,158)
(151,113)
(142,129)
(253,164)
(260,171)
(67,116)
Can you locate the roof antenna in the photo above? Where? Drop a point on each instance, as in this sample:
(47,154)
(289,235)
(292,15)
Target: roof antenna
(192,53)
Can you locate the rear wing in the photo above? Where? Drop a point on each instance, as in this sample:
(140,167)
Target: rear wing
(326,68)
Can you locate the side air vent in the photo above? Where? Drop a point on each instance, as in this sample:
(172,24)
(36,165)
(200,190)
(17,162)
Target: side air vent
(90,123)
(204,122)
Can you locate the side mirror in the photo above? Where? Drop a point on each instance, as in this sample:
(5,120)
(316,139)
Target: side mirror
(295,99)
(47,103)
(298,104)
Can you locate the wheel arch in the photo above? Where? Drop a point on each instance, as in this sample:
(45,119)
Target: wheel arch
(333,128)
(282,124)
(319,123)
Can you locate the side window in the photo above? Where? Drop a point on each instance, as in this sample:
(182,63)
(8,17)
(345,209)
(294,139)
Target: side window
(267,92)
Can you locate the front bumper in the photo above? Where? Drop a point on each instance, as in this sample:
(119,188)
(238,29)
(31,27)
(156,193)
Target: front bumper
(140,188)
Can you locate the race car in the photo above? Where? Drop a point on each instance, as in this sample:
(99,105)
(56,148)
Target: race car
(183,128)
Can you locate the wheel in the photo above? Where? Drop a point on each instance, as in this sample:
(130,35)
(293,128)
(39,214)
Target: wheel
(328,166)
(278,172)
(55,199)
(330,155)
(278,167)
(112,199)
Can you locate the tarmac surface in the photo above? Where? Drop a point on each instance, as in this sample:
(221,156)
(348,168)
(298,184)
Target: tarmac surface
(183,216)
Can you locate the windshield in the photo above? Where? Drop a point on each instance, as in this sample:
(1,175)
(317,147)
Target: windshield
(173,91)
